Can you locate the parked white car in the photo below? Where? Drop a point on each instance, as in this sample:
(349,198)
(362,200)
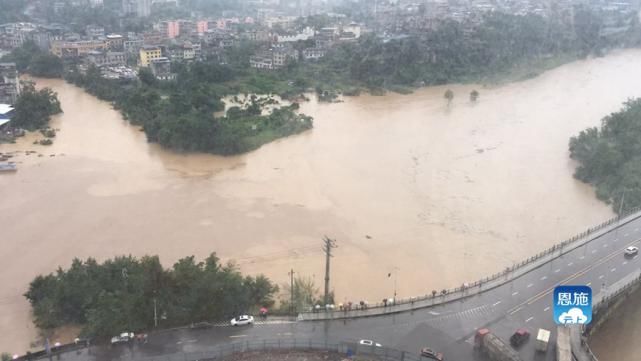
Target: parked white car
(369,343)
(242,320)
(122,338)
(631,251)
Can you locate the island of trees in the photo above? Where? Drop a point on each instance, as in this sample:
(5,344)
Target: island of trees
(609,157)
(119,294)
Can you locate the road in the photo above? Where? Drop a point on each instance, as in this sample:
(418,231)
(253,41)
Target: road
(449,328)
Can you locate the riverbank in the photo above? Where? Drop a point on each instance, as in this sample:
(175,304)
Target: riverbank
(392,178)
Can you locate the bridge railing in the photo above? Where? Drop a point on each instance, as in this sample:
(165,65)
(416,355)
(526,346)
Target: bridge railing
(601,304)
(291,344)
(470,289)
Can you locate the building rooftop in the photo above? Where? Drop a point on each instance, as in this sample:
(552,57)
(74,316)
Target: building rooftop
(5,108)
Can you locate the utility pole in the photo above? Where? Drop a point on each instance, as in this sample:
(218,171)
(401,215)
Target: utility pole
(291,291)
(327,248)
(155,314)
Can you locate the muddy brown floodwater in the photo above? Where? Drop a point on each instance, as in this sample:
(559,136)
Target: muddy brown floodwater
(444,195)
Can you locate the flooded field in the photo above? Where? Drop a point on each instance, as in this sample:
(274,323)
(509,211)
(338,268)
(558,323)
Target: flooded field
(440,195)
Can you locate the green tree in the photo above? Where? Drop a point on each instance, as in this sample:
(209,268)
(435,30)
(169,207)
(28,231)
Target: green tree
(34,108)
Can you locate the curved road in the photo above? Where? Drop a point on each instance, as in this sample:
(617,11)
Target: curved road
(449,328)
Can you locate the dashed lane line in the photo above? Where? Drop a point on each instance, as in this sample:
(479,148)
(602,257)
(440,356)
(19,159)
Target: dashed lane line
(612,270)
(588,284)
(544,278)
(496,303)
(557,270)
(515,293)
(529,319)
(237,336)
(546,309)
(594,251)
(570,264)
(516,310)
(601,277)
(625,262)
(530,285)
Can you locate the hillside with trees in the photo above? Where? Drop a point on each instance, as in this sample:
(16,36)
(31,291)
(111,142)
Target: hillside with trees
(609,157)
(118,294)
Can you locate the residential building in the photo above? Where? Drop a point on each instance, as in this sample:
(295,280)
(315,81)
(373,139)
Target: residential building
(106,58)
(95,31)
(263,60)
(148,54)
(115,42)
(151,38)
(9,83)
(306,34)
(170,29)
(161,68)
(202,26)
(314,53)
(142,8)
(274,58)
(132,46)
(74,49)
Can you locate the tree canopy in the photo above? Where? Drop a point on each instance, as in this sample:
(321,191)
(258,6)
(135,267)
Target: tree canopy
(118,294)
(34,108)
(609,157)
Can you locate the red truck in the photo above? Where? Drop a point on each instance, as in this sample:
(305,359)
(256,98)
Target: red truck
(494,347)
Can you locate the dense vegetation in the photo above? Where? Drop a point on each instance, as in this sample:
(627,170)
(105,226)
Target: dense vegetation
(118,295)
(29,58)
(179,114)
(610,157)
(34,108)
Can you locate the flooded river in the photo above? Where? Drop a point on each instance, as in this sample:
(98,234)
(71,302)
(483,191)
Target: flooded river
(439,195)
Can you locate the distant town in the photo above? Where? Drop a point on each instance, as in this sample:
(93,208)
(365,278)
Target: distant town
(164,37)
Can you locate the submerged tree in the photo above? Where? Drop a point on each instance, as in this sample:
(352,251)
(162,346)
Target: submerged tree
(449,95)
(474,96)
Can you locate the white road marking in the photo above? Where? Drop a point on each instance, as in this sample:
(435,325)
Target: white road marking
(557,270)
(582,257)
(434,313)
(236,336)
(570,264)
(612,270)
(529,319)
(517,310)
(636,230)
(627,234)
(594,251)
(544,278)
(635,256)
(546,309)
(496,303)
(625,262)
(515,293)
(601,277)
(530,285)
(284,334)
(588,284)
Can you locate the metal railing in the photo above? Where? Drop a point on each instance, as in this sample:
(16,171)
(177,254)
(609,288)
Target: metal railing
(482,285)
(292,344)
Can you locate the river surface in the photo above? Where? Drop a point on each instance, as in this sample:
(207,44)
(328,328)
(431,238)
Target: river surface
(618,337)
(436,195)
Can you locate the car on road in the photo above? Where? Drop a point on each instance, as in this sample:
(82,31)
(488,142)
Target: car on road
(519,337)
(427,352)
(242,320)
(122,338)
(631,251)
(369,343)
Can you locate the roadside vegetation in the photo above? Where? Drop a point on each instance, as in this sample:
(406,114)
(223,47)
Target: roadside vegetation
(609,157)
(118,294)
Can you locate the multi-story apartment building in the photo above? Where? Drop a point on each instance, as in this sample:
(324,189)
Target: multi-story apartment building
(9,83)
(74,49)
(148,54)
